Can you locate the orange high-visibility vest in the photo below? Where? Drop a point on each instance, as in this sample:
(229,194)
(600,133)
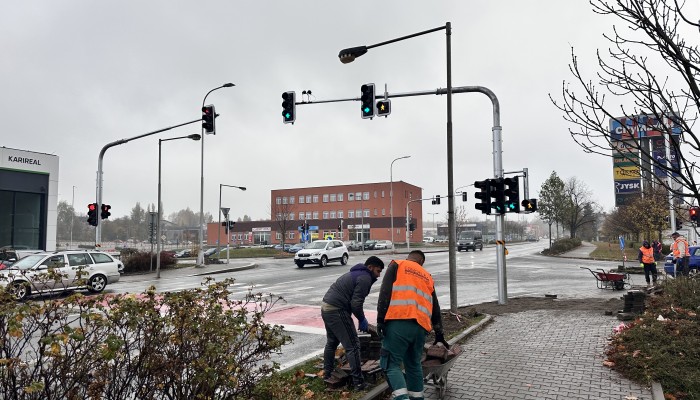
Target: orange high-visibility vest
(412,294)
(647,255)
(676,252)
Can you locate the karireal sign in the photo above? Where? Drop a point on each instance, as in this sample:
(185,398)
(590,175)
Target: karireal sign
(640,126)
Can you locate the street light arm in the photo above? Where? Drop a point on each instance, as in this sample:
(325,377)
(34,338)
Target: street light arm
(350,54)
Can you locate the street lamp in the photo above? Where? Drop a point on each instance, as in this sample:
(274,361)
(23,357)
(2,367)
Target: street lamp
(349,55)
(218,235)
(434,227)
(200,253)
(194,136)
(391,198)
(72,213)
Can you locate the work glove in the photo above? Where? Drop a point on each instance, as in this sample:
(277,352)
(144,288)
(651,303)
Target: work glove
(381,329)
(641,265)
(364,325)
(440,338)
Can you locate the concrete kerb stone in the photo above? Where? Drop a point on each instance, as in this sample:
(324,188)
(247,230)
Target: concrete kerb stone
(226,270)
(383,387)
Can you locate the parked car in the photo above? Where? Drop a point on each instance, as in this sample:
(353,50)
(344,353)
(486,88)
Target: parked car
(353,245)
(321,252)
(9,255)
(428,239)
(210,252)
(183,254)
(383,244)
(60,271)
(694,263)
(369,244)
(296,247)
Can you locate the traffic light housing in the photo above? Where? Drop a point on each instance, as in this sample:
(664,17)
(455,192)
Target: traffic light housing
(464,196)
(209,119)
(411,227)
(529,205)
(383,108)
(679,224)
(151,232)
(105,211)
(484,195)
(231,224)
(694,213)
(92,214)
(367,100)
(511,192)
(289,108)
(340,227)
(498,195)
(436,199)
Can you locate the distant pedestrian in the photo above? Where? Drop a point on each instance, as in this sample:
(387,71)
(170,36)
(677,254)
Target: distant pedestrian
(407,310)
(658,248)
(646,259)
(681,253)
(343,299)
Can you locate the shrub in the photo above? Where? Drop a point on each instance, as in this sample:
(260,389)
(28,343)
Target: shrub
(194,344)
(562,246)
(140,261)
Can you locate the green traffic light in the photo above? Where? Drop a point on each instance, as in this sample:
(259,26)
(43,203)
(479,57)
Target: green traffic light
(366,110)
(287,115)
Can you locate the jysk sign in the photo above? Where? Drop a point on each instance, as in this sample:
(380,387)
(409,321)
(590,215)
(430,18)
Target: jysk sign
(630,186)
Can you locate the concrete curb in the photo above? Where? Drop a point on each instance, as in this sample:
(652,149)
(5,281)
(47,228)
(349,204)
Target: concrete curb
(657,392)
(226,270)
(382,388)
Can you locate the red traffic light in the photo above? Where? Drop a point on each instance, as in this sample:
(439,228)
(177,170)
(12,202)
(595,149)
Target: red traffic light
(694,211)
(92,207)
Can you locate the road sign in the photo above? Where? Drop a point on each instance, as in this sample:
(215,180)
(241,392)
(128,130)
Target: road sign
(313,228)
(224,210)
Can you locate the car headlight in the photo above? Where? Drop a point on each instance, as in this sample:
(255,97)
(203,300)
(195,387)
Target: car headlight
(316,254)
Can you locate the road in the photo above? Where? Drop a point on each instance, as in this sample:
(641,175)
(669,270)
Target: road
(528,274)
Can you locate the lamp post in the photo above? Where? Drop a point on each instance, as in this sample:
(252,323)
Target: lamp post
(391,198)
(218,235)
(200,253)
(72,205)
(362,221)
(349,55)
(194,136)
(434,227)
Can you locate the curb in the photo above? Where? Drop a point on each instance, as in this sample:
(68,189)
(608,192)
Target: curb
(382,388)
(226,270)
(657,392)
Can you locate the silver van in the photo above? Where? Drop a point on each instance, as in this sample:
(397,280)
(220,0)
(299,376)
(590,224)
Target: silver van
(469,240)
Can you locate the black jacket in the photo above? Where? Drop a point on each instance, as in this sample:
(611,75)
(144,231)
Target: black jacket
(349,291)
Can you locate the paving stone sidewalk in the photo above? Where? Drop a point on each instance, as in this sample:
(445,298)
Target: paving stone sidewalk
(541,354)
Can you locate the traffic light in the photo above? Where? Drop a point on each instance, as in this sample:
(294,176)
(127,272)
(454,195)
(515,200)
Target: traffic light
(498,195)
(484,195)
(436,199)
(412,227)
(464,196)
(367,100)
(289,107)
(225,225)
(105,211)
(679,224)
(231,224)
(512,194)
(151,232)
(383,108)
(92,214)
(209,119)
(693,212)
(530,205)
(340,227)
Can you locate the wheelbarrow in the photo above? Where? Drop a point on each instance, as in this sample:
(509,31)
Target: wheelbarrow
(610,280)
(435,372)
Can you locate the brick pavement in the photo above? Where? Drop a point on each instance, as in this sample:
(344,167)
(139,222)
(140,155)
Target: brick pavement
(542,354)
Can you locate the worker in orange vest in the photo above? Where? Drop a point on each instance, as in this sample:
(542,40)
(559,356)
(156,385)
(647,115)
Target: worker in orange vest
(681,253)
(407,310)
(646,261)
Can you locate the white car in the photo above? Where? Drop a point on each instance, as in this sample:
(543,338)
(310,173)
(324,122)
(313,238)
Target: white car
(383,244)
(60,271)
(321,252)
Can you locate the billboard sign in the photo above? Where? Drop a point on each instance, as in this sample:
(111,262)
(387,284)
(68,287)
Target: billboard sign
(629,186)
(640,126)
(623,173)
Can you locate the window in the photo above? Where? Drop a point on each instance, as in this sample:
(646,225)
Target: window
(291,235)
(315,215)
(101,258)
(375,194)
(75,260)
(315,198)
(291,199)
(383,212)
(301,199)
(366,212)
(325,215)
(358,212)
(365,195)
(284,200)
(340,197)
(278,236)
(308,199)
(332,214)
(291,215)
(358,196)
(332,197)
(240,236)
(375,212)
(382,194)
(351,214)
(340,213)
(351,196)
(325,198)
(308,215)
(279,217)
(278,200)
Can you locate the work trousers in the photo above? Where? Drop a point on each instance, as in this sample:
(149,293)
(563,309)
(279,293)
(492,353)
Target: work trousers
(650,268)
(340,329)
(682,265)
(403,344)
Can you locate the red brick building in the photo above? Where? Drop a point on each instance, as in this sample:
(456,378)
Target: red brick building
(347,212)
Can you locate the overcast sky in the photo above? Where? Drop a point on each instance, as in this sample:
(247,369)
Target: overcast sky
(76,75)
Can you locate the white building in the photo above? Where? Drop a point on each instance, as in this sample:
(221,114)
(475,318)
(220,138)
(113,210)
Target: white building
(28,199)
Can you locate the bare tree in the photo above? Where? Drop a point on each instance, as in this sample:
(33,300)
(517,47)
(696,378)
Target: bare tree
(281,214)
(551,201)
(649,70)
(578,208)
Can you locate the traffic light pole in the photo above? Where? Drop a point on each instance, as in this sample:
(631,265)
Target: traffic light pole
(100,158)
(497,171)
(408,222)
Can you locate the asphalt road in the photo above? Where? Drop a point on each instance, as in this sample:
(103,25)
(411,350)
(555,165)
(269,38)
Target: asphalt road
(528,274)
